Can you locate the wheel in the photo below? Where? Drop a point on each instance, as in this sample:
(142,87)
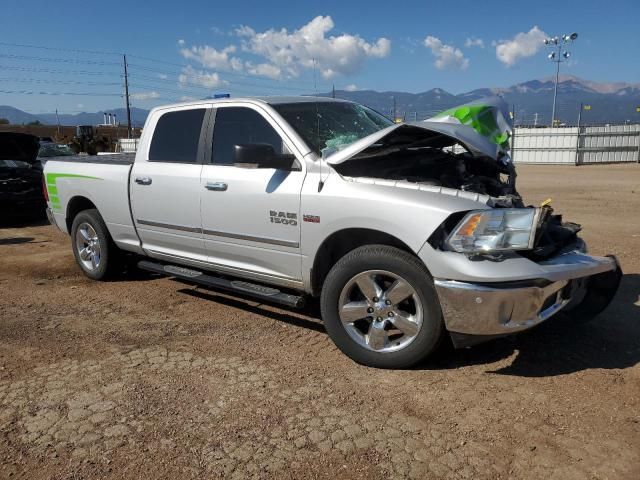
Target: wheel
(597,293)
(381,309)
(93,247)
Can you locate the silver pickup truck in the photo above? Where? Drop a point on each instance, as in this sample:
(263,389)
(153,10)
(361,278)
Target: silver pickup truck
(408,233)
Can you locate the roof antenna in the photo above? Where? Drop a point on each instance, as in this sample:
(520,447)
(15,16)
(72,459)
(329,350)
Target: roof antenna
(315,83)
(315,87)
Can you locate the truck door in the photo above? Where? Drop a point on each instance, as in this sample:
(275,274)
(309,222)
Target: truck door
(165,185)
(251,216)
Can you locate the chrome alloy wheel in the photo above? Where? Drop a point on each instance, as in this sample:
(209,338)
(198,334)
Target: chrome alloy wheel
(88,246)
(380,311)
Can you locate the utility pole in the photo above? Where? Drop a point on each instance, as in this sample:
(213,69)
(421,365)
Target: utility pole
(577,161)
(535,119)
(126,95)
(58,123)
(394,109)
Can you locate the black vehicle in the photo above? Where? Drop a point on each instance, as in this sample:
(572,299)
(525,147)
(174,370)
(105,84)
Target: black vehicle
(21,191)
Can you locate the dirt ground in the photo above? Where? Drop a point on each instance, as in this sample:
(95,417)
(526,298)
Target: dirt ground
(148,377)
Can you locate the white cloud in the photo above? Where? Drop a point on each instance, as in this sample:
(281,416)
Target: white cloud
(264,70)
(352,87)
(191,76)
(181,42)
(187,98)
(210,57)
(309,47)
(474,42)
(447,56)
(521,46)
(219,31)
(162,76)
(145,95)
(80,105)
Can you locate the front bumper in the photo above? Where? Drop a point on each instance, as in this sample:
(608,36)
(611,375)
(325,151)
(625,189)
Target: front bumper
(496,309)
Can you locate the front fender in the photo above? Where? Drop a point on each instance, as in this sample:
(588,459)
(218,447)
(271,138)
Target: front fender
(400,209)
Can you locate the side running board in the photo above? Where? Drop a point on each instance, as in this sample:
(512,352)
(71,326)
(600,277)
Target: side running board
(258,291)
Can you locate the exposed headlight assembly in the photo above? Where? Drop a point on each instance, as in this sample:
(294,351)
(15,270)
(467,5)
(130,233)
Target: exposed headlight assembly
(495,230)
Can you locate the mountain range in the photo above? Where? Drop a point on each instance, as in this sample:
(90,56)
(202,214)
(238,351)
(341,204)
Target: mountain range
(16,116)
(609,103)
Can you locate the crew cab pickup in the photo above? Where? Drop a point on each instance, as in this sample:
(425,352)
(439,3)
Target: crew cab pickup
(408,233)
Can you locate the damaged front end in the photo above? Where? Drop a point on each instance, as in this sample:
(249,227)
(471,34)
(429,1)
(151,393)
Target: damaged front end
(443,151)
(462,152)
(465,149)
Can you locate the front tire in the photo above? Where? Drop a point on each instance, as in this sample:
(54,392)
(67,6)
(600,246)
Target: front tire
(94,250)
(380,307)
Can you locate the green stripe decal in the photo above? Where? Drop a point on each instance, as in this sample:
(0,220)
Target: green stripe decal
(52,187)
(52,177)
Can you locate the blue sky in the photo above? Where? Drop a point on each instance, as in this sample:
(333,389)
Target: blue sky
(240,47)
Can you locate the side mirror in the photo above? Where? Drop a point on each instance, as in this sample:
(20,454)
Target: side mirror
(262,155)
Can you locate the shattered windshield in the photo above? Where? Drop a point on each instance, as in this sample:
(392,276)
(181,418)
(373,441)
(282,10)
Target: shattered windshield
(54,150)
(330,126)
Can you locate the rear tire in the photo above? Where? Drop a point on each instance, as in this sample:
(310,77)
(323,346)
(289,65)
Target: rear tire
(380,307)
(93,248)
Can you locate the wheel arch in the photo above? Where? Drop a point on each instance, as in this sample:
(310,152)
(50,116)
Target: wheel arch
(76,205)
(341,242)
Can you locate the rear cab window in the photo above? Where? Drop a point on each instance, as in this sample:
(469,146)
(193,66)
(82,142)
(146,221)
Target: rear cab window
(176,137)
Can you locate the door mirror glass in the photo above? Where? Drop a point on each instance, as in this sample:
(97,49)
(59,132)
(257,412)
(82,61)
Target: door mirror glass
(262,155)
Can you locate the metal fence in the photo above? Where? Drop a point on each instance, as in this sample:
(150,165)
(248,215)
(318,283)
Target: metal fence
(127,145)
(577,145)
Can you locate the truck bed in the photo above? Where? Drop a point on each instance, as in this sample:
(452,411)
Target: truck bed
(109,158)
(102,180)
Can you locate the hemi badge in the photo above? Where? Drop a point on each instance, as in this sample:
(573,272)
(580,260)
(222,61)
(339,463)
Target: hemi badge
(311,218)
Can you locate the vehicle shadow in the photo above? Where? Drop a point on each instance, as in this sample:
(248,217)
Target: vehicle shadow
(15,222)
(559,346)
(15,240)
(556,347)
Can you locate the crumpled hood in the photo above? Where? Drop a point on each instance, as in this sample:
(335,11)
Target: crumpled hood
(19,146)
(480,126)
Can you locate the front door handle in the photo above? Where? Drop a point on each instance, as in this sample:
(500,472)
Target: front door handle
(143,180)
(216,186)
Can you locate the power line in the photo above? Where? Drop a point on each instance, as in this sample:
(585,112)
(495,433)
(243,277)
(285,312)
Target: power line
(232,83)
(53,71)
(59,49)
(140,57)
(60,60)
(64,82)
(83,94)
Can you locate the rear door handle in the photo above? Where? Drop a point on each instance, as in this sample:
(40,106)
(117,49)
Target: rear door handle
(143,180)
(216,186)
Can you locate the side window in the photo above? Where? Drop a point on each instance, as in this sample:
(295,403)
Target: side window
(239,125)
(176,137)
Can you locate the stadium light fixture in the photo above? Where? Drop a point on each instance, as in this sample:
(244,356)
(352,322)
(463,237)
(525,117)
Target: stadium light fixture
(557,56)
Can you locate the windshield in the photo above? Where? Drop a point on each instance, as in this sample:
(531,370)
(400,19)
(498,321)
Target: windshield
(54,150)
(330,126)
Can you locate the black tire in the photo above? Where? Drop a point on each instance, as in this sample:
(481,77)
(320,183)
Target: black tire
(398,262)
(600,290)
(109,252)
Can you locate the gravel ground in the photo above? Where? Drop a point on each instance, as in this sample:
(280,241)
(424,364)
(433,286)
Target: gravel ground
(149,377)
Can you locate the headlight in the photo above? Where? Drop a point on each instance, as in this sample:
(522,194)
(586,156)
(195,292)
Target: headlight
(495,230)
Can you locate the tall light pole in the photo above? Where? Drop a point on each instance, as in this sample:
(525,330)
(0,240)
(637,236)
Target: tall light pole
(558,56)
